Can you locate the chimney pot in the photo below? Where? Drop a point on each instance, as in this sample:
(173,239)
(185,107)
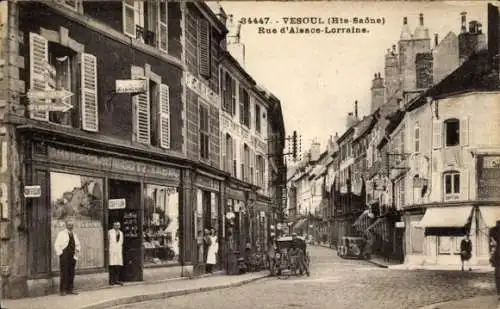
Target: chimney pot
(464,21)
(356,109)
(436,39)
(405,20)
(421,18)
(394,47)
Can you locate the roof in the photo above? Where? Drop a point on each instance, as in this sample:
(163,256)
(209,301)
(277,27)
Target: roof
(394,121)
(364,126)
(477,73)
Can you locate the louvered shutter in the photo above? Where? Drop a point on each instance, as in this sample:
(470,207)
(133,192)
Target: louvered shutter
(224,144)
(464,184)
(464,131)
(142,116)
(162,26)
(252,166)
(242,164)
(436,186)
(90,109)
(39,56)
(437,136)
(204,47)
(164,116)
(234,162)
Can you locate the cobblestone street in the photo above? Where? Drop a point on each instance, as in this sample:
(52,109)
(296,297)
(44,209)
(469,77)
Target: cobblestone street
(337,283)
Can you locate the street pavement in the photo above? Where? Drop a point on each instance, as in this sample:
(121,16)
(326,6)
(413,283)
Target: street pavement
(338,283)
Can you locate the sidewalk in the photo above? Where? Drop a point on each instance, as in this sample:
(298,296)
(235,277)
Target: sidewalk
(480,302)
(128,294)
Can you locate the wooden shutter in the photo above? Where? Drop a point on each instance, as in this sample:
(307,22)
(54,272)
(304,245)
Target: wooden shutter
(252,166)
(204,47)
(162,26)
(39,57)
(164,116)
(89,105)
(242,157)
(464,184)
(437,135)
(224,145)
(464,131)
(436,186)
(142,116)
(128,17)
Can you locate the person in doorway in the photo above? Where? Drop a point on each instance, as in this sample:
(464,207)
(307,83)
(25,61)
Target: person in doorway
(207,241)
(213,250)
(67,247)
(115,238)
(466,251)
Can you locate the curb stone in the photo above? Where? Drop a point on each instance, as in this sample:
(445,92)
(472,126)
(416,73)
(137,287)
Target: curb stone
(162,295)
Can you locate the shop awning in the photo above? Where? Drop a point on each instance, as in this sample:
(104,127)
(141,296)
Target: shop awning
(490,215)
(446,221)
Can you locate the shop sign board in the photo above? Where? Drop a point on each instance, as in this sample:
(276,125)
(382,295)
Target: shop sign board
(32,191)
(116,203)
(37,95)
(131,86)
(399,224)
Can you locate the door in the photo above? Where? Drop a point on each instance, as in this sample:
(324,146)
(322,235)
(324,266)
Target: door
(131,221)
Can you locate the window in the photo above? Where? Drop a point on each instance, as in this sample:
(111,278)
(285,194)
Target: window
(451,185)
(246,163)
(260,171)
(72,4)
(161,225)
(133,18)
(204,48)
(233,96)
(244,107)
(54,67)
(227,96)
(257,118)
(417,138)
(204,132)
(452,131)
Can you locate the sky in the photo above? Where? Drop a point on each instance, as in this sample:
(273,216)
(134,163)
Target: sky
(318,77)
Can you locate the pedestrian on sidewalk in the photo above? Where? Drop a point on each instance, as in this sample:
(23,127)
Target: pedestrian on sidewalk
(466,251)
(67,247)
(213,250)
(115,238)
(207,241)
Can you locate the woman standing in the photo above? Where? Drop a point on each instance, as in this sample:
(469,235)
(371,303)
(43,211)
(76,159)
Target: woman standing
(466,251)
(213,250)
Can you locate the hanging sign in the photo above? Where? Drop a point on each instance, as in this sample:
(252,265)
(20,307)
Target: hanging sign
(116,203)
(131,86)
(36,95)
(32,191)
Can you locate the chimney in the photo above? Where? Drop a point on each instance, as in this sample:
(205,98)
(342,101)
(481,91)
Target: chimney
(315,151)
(394,48)
(405,20)
(436,39)
(405,31)
(356,108)
(464,22)
(221,14)
(421,19)
(349,120)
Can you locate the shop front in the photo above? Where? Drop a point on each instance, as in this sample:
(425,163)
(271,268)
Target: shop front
(208,219)
(261,223)
(235,234)
(95,190)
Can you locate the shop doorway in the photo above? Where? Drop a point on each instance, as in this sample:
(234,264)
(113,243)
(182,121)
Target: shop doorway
(128,193)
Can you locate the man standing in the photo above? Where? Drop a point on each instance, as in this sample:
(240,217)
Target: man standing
(115,237)
(67,247)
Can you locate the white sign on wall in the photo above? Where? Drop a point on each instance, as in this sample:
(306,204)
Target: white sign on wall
(116,203)
(131,86)
(32,191)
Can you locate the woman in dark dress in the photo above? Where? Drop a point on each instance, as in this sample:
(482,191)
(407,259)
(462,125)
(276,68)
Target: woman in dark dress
(466,251)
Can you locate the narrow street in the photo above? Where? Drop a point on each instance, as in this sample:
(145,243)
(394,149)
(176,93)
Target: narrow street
(338,283)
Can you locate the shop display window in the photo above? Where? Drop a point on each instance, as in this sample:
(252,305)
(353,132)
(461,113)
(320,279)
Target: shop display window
(161,225)
(79,198)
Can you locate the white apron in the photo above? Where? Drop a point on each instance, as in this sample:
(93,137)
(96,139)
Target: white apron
(212,251)
(115,248)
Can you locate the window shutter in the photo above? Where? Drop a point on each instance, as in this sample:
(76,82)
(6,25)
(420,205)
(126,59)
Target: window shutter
(437,136)
(164,116)
(464,131)
(235,158)
(436,186)
(39,56)
(242,163)
(223,152)
(464,184)
(204,47)
(252,166)
(89,105)
(142,116)
(128,17)
(162,26)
